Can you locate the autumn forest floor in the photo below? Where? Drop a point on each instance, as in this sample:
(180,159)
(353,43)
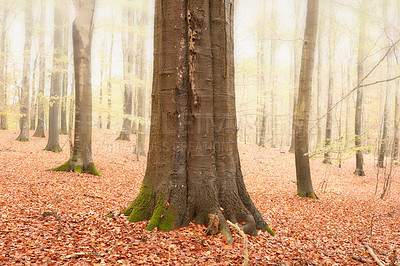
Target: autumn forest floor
(47,216)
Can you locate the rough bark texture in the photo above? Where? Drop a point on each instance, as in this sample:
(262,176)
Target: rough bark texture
(359,102)
(33,97)
(42,73)
(56,80)
(331,58)
(24,103)
(81,160)
(141,89)
(193,168)
(64,91)
(127,50)
(304,183)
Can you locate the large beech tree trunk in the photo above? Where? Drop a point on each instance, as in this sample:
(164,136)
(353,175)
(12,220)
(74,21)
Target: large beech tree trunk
(81,160)
(193,167)
(56,80)
(24,103)
(359,102)
(42,73)
(304,182)
(127,51)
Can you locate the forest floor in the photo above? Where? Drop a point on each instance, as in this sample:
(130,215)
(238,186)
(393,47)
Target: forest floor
(49,217)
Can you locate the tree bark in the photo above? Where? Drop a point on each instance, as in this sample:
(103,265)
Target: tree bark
(82,31)
(193,166)
(64,96)
(42,72)
(295,75)
(3,74)
(141,89)
(272,77)
(24,103)
(261,90)
(109,85)
(359,102)
(33,97)
(304,182)
(56,80)
(128,49)
(331,58)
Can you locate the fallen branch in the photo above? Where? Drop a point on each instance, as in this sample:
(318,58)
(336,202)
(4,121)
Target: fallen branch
(371,252)
(33,192)
(393,261)
(358,258)
(54,214)
(92,196)
(246,252)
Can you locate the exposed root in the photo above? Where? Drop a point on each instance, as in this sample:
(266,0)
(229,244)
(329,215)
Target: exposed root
(68,166)
(311,195)
(245,251)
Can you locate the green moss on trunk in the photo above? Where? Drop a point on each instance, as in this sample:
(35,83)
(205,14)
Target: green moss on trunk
(139,209)
(70,167)
(65,167)
(311,195)
(158,213)
(269,230)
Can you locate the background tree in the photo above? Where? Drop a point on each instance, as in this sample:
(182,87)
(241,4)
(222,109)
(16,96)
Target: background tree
(359,103)
(56,79)
(193,168)
(24,94)
(304,182)
(42,72)
(81,160)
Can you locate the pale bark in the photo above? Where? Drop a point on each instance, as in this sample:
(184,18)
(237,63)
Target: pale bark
(304,182)
(64,91)
(109,85)
(24,97)
(56,80)
(359,103)
(261,89)
(3,74)
(82,32)
(272,77)
(42,72)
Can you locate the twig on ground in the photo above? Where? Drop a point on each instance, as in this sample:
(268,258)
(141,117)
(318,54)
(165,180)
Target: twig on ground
(203,241)
(92,196)
(372,225)
(82,254)
(393,261)
(54,214)
(33,192)
(371,252)
(246,252)
(358,258)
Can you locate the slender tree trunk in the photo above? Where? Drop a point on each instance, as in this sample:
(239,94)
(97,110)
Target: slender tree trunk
(272,75)
(42,72)
(328,128)
(193,170)
(102,67)
(24,103)
(56,80)
(304,182)
(109,85)
(385,123)
(348,109)
(359,103)
(3,74)
(141,90)
(261,90)
(128,49)
(32,124)
(396,123)
(295,74)
(319,88)
(64,97)
(82,32)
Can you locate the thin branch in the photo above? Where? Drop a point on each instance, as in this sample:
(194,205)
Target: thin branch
(371,252)
(246,252)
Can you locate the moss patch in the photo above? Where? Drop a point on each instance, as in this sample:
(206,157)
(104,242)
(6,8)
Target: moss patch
(158,213)
(138,210)
(65,167)
(91,169)
(167,221)
(269,230)
(311,195)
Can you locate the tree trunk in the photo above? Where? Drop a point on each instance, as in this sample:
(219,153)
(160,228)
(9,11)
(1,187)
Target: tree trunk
(128,49)
(42,72)
(272,75)
(319,89)
(295,74)
(33,97)
(64,97)
(141,89)
(385,123)
(261,90)
(24,102)
(304,182)
(360,75)
(81,160)
(395,157)
(193,168)
(331,58)
(109,87)
(3,74)
(56,80)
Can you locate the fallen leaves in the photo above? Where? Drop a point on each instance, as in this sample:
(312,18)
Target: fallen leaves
(329,231)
